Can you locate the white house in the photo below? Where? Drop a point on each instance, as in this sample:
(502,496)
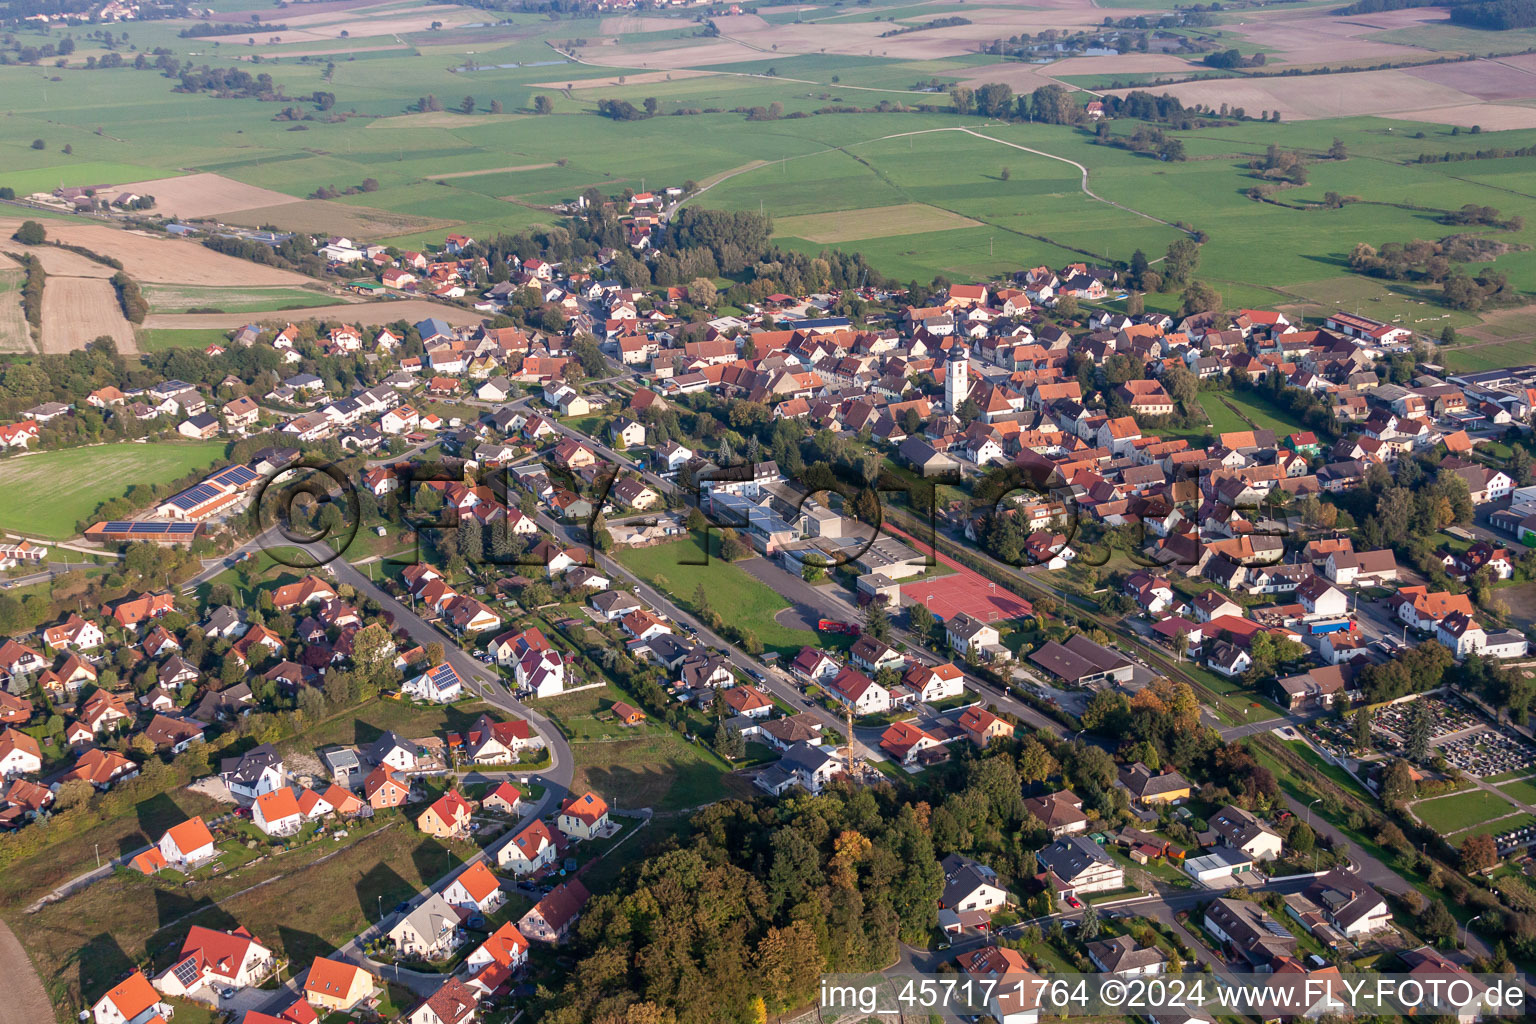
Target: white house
(935,682)
(543,672)
(476,887)
(277,813)
(19,754)
(257,771)
(1242,830)
(855,690)
(187,845)
(967,633)
(439,684)
(531,849)
(131,1001)
(1321,599)
(213,960)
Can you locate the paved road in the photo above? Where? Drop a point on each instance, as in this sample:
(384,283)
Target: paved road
(54,569)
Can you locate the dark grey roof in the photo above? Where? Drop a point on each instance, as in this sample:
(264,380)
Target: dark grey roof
(380,748)
(1069,856)
(248,767)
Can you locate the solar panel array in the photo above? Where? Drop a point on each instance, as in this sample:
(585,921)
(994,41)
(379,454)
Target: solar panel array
(127,526)
(186,972)
(195,496)
(444,676)
(233,476)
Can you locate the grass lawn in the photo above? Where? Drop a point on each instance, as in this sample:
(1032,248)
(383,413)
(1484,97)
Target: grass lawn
(48,493)
(1464,810)
(657,769)
(412,721)
(1470,358)
(730,590)
(1493,828)
(163,340)
(1266,415)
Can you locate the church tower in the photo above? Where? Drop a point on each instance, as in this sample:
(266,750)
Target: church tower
(957,381)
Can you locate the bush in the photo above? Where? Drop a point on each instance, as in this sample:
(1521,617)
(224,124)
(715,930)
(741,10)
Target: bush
(135,306)
(30,233)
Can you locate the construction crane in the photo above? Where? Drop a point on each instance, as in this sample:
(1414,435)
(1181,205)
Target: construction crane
(850,764)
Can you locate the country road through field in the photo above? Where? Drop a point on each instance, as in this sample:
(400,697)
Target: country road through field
(26,1002)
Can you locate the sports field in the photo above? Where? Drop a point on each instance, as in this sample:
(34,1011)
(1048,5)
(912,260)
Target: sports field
(47,493)
(1463,810)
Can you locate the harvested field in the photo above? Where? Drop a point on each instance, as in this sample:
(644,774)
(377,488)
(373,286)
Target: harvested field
(644,78)
(66,263)
(490,170)
(1025,77)
(717,51)
(313,9)
(366,314)
(1323,96)
(1492,117)
(204,195)
(1310,38)
(326,51)
(1070,15)
(627,24)
(1485,79)
(874,222)
(77,310)
(152,259)
(332,218)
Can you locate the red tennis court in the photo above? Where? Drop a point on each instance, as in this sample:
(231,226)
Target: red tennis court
(965,590)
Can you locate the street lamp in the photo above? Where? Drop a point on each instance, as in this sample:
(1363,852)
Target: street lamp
(1466,930)
(1309,812)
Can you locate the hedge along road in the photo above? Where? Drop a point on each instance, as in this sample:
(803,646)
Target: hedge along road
(1082,184)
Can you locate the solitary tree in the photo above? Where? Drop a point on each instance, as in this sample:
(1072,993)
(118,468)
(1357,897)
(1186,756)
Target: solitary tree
(467,104)
(30,233)
(543,105)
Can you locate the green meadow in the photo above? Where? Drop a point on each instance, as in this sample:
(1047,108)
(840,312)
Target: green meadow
(504,172)
(47,493)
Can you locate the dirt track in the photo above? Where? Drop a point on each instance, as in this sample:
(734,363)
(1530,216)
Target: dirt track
(26,1001)
(78,310)
(365,314)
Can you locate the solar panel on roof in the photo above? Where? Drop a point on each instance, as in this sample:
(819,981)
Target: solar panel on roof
(186,972)
(234,476)
(194,496)
(117,526)
(444,675)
